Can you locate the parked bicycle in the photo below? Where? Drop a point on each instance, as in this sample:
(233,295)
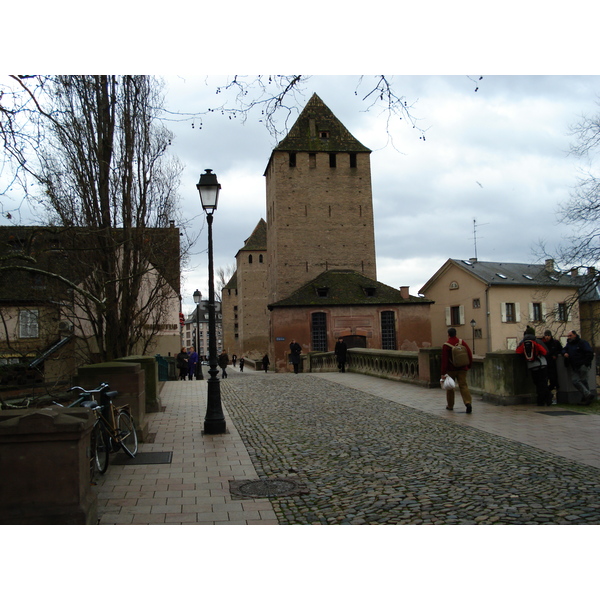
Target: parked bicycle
(114,427)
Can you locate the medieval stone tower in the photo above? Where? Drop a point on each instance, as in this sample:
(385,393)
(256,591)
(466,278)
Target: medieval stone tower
(319,203)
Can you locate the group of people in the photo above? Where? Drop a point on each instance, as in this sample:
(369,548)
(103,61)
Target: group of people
(188,363)
(540,355)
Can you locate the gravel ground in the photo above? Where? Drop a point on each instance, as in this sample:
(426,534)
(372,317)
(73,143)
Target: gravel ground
(367,460)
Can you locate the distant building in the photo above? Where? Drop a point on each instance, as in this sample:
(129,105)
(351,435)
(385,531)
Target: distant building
(308,272)
(493,302)
(188,332)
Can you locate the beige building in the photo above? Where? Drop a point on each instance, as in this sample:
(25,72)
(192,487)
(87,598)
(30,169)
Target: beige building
(491,303)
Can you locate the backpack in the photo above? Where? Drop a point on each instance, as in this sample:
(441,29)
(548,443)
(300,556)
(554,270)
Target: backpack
(460,355)
(531,350)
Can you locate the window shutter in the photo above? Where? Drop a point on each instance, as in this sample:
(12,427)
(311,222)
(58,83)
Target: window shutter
(517,312)
(531,315)
(503,311)
(569,312)
(448,317)
(461,312)
(544,315)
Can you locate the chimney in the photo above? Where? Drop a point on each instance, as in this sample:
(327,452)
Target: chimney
(404,292)
(473,260)
(574,272)
(550,265)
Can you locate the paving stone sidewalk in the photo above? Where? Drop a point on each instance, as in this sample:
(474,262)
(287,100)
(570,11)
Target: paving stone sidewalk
(365,459)
(362,450)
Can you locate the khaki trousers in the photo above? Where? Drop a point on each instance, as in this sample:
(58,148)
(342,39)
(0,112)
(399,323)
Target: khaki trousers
(461,380)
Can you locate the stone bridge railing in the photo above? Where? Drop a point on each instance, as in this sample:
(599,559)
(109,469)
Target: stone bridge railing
(420,367)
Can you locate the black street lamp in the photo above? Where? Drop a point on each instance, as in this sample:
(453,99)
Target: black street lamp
(197,300)
(214,421)
(473,325)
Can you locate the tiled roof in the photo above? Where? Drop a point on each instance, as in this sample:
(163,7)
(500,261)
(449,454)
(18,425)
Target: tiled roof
(343,288)
(506,273)
(317,129)
(258,238)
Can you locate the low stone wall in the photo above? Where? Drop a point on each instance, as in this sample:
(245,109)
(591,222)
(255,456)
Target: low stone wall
(499,377)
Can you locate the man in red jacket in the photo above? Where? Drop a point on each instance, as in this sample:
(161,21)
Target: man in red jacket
(459,374)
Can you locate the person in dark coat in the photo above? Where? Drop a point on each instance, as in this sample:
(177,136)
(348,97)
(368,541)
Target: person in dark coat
(182,364)
(295,351)
(242,361)
(223,362)
(554,348)
(192,362)
(579,356)
(266,362)
(340,352)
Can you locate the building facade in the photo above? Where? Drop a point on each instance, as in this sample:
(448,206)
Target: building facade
(48,327)
(491,303)
(194,331)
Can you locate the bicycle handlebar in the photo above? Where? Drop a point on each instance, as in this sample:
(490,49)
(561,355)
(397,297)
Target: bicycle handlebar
(102,386)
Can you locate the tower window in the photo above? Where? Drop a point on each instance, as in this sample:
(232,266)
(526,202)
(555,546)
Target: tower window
(353,160)
(388,330)
(324,135)
(332,160)
(292,157)
(260,258)
(250,259)
(322,292)
(319,332)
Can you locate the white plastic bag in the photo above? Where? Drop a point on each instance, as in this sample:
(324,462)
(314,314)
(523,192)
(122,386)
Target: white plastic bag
(448,383)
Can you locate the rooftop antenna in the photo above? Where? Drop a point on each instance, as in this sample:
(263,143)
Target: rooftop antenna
(475,226)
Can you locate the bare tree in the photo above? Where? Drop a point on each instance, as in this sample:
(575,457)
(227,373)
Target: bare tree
(223,274)
(97,149)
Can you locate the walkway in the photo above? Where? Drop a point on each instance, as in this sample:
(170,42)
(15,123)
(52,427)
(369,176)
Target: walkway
(363,454)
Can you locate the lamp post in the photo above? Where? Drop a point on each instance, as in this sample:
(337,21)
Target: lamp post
(473,325)
(197,300)
(214,421)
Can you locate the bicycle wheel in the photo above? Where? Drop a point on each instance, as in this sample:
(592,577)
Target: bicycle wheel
(127,434)
(100,447)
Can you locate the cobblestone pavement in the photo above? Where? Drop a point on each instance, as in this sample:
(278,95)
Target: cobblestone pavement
(368,460)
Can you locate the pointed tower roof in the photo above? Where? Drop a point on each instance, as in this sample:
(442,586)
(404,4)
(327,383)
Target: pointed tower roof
(258,238)
(319,130)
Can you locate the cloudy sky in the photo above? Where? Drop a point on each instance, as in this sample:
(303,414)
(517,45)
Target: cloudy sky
(486,182)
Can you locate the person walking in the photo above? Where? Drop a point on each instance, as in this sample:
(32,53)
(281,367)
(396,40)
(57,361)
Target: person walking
(554,348)
(579,355)
(458,371)
(266,362)
(223,362)
(182,364)
(340,352)
(535,356)
(192,362)
(233,360)
(295,351)
(242,361)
